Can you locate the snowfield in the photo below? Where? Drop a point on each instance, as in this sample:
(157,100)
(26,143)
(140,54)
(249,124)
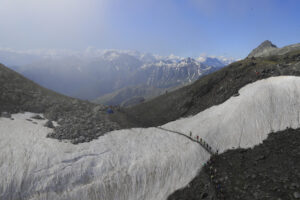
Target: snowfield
(139,164)
(128,164)
(264,106)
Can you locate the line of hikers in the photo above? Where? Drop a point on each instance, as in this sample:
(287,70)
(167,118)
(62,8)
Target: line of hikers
(213,178)
(204,144)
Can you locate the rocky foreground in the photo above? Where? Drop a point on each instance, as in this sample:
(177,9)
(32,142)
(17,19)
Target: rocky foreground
(270,170)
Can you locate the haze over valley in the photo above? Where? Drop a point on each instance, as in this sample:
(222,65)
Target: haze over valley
(149,100)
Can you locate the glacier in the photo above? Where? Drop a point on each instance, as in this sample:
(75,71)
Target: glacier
(139,163)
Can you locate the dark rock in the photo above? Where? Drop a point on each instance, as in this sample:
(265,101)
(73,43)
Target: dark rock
(296,195)
(49,124)
(38,117)
(204,195)
(294,186)
(277,177)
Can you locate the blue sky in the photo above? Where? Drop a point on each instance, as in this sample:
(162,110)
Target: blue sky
(229,28)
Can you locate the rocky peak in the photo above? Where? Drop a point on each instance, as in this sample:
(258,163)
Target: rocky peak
(267,44)
(264,47)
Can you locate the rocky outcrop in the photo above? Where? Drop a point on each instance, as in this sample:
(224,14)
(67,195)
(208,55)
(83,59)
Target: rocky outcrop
(268,49)
(262,49)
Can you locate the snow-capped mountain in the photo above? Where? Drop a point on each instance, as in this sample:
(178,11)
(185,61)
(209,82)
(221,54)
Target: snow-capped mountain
(139,163)
(235,107)
(94,73)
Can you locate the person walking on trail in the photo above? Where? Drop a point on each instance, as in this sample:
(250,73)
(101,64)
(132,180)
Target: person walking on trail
(197,137)
(190,133)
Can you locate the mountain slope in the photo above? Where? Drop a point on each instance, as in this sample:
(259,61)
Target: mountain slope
(270,170)
(80,120)
(124,95)
(140,163)
(210,90)
(92,74)
(268,49)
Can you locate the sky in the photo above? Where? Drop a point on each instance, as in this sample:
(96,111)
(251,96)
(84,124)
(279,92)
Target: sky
(230,28)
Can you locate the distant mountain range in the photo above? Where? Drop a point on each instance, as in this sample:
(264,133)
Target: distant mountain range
(233,110)
(97,75)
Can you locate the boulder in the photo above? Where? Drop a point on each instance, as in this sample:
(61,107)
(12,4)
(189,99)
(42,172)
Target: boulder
(49,124)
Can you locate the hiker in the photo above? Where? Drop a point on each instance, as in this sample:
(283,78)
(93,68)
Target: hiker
(197,137)
(109,111)
(190,133)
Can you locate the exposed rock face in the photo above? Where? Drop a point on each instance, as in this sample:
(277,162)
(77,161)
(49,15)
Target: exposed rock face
(262,49)
(269,49)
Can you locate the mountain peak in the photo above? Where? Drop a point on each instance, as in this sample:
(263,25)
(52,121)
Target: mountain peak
(267,43)
(262,48)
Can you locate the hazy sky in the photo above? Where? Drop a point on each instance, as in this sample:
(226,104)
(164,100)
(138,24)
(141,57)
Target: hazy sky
(181,27)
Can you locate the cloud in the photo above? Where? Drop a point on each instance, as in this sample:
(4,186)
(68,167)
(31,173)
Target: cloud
(46,23)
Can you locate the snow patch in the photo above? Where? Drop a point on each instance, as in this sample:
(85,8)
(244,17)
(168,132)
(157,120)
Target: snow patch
(267,105)
(139,163)
(127,164)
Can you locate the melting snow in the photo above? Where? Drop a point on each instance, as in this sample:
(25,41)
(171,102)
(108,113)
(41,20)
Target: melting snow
(137,164)
(127,164)
(267,105)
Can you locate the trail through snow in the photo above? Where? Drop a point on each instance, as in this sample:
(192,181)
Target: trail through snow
(264,106)
(128,164)
(139,164)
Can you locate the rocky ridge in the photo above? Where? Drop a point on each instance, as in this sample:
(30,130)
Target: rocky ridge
(264,47)
(210,90)
(268,49)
